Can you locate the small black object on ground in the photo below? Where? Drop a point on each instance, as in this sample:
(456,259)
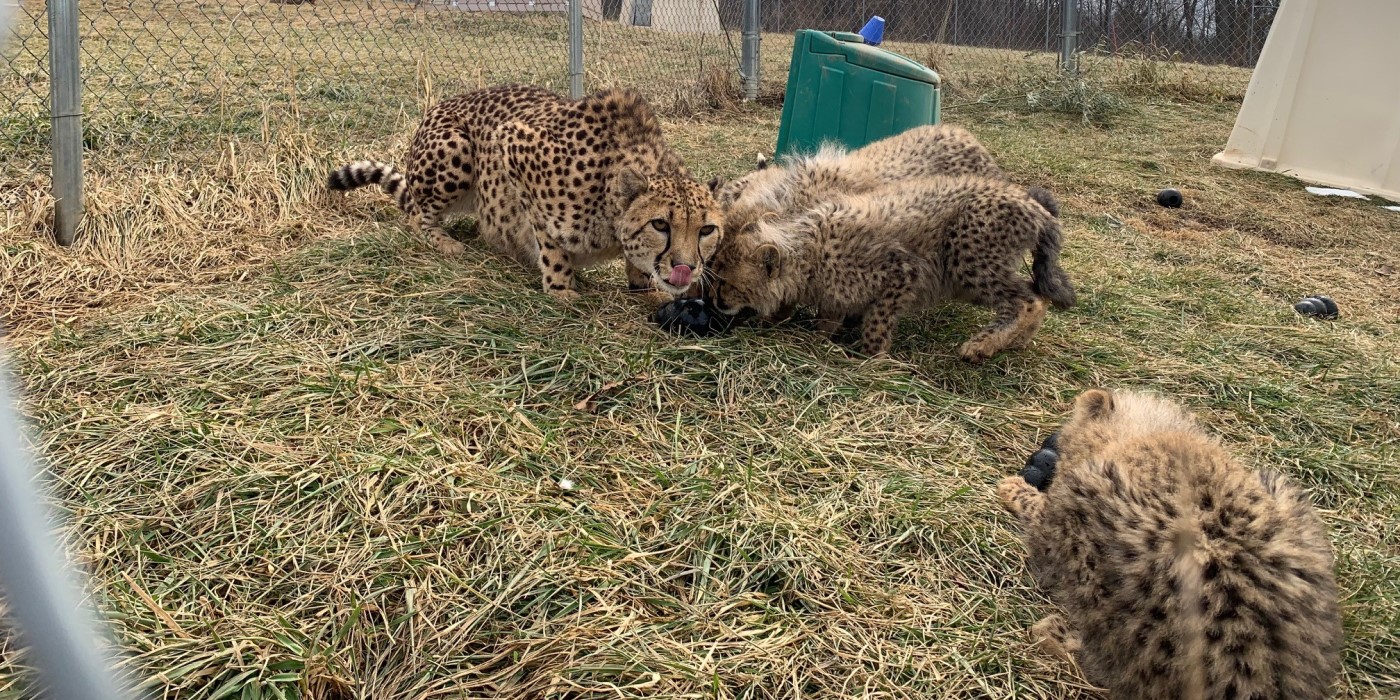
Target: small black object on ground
(1040,468)
(1317,307)
(692,317)
(1170,198)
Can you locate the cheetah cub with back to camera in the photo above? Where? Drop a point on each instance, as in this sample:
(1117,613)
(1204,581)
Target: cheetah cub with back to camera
(1183,574)
(804,181)
(878,255)
(557,184)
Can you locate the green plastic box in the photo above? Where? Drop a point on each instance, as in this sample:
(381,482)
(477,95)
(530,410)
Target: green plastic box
(841,89)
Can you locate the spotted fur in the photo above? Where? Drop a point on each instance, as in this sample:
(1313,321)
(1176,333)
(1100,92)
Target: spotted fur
(879,255)
(833,170)
(1182,574)
(557,184)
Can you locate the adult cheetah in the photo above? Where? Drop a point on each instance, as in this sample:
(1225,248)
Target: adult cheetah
(557,184)
(1183,574)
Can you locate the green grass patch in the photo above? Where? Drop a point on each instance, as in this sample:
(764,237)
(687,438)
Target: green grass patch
(334,458)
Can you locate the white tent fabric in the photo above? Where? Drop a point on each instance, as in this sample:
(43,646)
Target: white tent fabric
(1323,105)
(592,9)
(692,16)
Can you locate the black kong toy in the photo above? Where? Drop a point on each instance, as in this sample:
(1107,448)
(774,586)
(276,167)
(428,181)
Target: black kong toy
(1318,307)
(691,316)
(1170,198)
(1040,468)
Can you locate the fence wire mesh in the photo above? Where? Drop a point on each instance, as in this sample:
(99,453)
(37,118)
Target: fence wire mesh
(160,71)
(201,67)
(231,66)
(980,44)
(668,49)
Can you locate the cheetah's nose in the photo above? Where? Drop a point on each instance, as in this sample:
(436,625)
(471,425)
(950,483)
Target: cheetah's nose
(680,275)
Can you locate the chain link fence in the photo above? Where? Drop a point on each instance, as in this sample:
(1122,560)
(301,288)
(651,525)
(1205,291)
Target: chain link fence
(220,61)
(973,44)
(230,66)
(162,72)
(977,44)
(1228,32)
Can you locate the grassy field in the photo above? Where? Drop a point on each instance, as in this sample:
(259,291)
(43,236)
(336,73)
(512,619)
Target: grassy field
(302,455)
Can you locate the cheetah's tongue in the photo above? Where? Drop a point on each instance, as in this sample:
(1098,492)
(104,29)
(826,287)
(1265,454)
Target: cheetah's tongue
(680,276)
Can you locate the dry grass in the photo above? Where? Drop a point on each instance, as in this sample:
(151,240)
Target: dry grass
(331,458)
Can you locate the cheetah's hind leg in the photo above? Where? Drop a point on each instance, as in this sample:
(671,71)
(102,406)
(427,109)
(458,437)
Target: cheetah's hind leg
(1056,637)
(1019,315)
(440,188)
(1028,323)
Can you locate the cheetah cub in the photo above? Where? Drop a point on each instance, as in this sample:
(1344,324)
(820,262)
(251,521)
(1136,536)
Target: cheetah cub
(833,170)
(557,184)
(1183,574)
(878,255)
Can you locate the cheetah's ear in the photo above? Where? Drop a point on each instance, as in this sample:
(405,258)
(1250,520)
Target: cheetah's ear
(716,184)
(1272,481)
(631,184)
(770,257)
(761,163)
(1094,404)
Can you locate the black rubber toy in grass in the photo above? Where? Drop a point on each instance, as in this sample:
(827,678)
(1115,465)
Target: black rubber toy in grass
(1040,467)
(1317,307)
(695,317)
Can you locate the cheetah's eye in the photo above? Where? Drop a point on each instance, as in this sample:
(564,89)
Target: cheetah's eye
(706,230)
(661,225)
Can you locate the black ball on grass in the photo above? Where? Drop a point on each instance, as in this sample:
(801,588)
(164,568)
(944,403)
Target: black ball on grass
(1317,307)
(692,317)
(1040,469)
(1169,198)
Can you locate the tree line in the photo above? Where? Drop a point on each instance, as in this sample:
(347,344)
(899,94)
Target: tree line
(1206,31)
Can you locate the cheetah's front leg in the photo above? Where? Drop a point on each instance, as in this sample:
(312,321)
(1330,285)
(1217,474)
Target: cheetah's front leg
(557,271)
(883,316)
(829,327)
(1021,499)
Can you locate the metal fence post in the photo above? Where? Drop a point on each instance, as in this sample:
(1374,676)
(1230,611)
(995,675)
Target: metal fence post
(5,9)
(42,595)
(65,119)
(576,49)
(748,70)
(1069,36)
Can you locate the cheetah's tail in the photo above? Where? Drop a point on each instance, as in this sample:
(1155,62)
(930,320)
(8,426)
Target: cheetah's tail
(371,172)
(1043,197)
(1047,277)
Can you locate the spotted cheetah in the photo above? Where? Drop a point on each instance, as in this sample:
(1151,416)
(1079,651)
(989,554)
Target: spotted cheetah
(833,170)
(557,184)
(1182,573)
(883,253)
(770,191)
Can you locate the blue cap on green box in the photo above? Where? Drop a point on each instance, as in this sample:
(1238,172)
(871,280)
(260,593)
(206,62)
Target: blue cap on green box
(874,31)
